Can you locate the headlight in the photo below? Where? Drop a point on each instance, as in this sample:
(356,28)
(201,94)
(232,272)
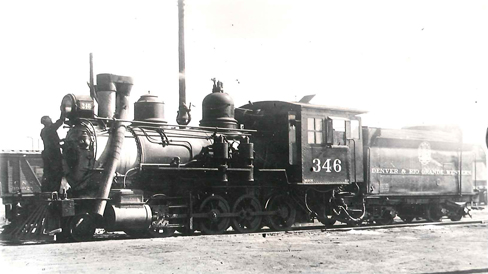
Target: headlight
(77,106)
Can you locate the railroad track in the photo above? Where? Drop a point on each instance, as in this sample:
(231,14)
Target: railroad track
(343,227)
(397,225)
(297,229)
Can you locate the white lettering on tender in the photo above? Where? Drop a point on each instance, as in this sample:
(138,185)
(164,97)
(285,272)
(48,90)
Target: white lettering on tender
(384,170)
(424,171)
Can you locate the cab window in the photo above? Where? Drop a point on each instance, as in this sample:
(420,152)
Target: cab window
(345,129)
(339,126)
(315,130)
(352,129)
(355,129)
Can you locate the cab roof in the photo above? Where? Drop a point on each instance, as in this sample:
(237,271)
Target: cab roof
(300,105)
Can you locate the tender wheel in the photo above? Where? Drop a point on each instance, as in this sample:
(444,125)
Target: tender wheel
(246,222)
(323,217)
(456,216)
(285,212)
(214,223)
(407,219)
(434,213)
(82,227)
(386,218)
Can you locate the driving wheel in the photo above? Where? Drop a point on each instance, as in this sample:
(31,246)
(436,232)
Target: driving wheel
(434,213)
(285,212)
(246,207)
(214,207)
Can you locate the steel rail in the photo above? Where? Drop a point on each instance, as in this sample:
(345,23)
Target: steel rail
(295,229)
(339,228)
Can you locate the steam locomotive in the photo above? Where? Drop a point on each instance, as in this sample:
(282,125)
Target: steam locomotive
(268,163)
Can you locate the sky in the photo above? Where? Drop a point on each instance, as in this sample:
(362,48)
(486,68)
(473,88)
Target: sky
(405,62)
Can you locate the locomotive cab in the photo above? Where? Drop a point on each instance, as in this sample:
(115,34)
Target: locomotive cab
(318,145)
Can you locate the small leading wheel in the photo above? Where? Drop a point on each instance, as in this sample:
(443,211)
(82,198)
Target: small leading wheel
(186,231)
(82,227)
(150,233)
(135,233)
(161,232)
(285,212)
(159,205)
(246,206)
(214,207)
(434,213)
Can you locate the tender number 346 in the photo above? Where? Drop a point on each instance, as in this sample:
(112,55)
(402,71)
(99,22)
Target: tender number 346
(330,165)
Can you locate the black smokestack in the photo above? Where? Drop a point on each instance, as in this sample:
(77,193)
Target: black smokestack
(183,117)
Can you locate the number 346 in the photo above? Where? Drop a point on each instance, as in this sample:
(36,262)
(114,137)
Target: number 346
(329,165)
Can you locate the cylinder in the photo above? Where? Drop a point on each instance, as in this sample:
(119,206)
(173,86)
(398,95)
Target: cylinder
(122,218)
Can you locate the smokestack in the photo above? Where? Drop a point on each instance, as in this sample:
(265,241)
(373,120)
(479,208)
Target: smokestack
(105,92)
(122,86)
(183,117)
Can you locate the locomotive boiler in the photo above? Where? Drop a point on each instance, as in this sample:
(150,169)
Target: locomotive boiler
(148,158)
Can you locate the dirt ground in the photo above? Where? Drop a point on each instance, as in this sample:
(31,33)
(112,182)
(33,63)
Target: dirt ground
(425,249)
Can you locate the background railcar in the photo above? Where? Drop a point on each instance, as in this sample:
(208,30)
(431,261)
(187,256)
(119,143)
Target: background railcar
(20,178)
(21,171)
